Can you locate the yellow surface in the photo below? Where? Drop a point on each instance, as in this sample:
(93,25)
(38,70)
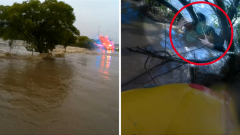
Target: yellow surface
(173,109)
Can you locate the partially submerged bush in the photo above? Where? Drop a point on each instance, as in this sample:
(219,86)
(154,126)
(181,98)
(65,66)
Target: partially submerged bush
(31,48)
(7,54)
(59,55)
(84,42)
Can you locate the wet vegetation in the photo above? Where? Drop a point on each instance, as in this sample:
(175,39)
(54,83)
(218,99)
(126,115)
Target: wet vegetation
(84,42)
(41,25)
(158,11)
(163,11)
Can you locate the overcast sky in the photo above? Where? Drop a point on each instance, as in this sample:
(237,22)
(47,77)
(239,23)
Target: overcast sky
(90,14)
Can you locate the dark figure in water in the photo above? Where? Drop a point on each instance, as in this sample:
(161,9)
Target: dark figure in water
(203,29)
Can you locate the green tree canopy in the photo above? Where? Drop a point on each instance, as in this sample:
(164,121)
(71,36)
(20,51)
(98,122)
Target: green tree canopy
(83,39)
(42,24)
(85,42)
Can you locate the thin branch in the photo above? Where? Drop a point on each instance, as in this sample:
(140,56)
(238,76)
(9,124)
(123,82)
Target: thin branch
(170,58)
(166,72)
(214,9)
(228,2)
(147,69)
(235,20)
(163,62)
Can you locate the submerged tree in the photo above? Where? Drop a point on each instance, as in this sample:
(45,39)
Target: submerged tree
(232,8)
(43,25)
(10,43)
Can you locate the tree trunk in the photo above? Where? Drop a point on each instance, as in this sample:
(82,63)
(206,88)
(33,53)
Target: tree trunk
(233,58)
(167,4)
(46,49)
(233,9)
(39,48)
(191,12)
(184,2)
(226,34)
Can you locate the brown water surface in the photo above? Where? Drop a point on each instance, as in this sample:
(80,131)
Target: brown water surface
(77,94)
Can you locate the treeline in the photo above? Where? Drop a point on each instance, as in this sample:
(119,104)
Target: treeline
(84,42)
(42,25)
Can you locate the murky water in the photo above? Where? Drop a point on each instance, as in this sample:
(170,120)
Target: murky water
(77,94)
(139,30)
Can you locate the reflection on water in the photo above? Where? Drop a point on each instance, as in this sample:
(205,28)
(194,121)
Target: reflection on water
(108,61)
(105,64)
(104,51)
(59,96)
(109,51)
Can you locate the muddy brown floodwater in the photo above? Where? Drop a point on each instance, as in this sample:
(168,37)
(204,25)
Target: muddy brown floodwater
(77,94)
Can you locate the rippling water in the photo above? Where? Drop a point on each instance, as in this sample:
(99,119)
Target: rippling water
(77,94)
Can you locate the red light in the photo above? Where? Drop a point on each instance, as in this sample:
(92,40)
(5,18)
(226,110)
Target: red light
(202,88)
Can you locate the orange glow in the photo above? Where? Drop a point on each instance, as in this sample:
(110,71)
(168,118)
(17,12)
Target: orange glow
(109,51)
(103,59)
(105,64)
(108,62)
(105,41)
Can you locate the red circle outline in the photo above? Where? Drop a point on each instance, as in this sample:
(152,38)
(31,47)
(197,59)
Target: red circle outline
(170,31)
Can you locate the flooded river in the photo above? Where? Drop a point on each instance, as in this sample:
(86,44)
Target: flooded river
(77,94)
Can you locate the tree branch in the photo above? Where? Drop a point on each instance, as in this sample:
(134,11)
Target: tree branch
(191,12)
(170,58)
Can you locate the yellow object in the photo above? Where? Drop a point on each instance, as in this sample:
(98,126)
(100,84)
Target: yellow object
(176,109)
